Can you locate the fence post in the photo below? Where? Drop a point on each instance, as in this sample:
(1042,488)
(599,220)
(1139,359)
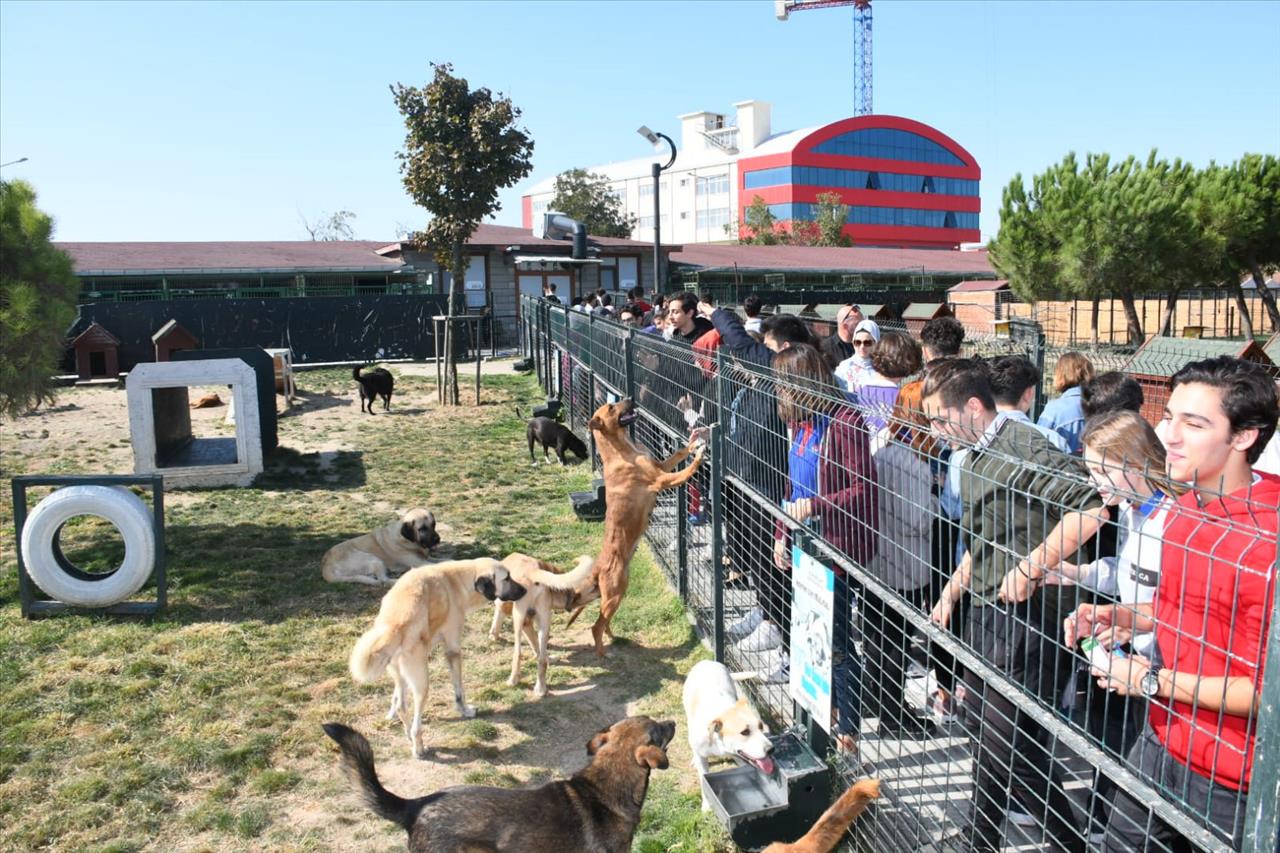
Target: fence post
(1030,335)
(628,357)
(716,449)
(1262,819)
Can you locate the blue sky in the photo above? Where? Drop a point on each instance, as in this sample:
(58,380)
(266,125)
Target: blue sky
(229,121)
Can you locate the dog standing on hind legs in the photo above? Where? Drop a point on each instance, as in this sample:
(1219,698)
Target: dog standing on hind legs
(632,481)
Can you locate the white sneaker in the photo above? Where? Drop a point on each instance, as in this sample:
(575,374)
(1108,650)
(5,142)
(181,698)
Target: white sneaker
(1017,817)
(764,638)
(745,625)
(780,674)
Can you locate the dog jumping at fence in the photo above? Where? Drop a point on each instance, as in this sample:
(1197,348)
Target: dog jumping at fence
(547,589)
(632,481)
(426,606)
(835,821)
(596,809)
(374,383)
(551,434)
(723,724)
(402,544)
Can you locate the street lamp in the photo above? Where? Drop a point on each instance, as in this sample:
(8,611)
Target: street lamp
(13,162)
(656,140)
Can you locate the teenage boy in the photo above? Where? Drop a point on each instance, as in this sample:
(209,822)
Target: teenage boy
(1013,384)
(549,292)
(752,306)
(1211,609)
(682,312)
(1014,487)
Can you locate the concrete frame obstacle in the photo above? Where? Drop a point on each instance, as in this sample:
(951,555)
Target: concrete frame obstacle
(160,424)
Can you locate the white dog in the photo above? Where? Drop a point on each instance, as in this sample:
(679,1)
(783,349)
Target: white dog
(721,723)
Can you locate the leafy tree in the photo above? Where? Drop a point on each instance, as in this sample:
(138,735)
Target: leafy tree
(759,224)
(586,197)
(38,292)
(336,226)
(461,147)
(830,215)
(1238,206)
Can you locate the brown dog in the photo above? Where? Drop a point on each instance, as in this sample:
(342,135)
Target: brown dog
(597,809)
(833,824)
(632,481)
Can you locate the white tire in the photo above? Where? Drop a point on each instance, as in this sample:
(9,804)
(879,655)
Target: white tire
(125,510)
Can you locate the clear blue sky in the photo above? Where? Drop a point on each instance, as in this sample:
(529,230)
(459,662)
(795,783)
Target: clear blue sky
(167,121)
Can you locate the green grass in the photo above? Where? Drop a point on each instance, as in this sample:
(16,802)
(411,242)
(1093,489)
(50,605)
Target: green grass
(201,729)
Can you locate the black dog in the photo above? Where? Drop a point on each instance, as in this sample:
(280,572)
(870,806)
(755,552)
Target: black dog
(378,382)
(596,809)
(549,434)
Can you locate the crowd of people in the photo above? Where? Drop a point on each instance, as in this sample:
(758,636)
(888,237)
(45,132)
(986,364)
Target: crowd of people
(1121,573)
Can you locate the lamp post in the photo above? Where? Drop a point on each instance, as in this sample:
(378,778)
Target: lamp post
(13,162)
(656,139)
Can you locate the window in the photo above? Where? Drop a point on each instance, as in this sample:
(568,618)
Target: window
(646,188)
(645,222)
(712,219)
(684,214)
(898,216)
(888,144)
(816,176)
(684,182)
(713,185)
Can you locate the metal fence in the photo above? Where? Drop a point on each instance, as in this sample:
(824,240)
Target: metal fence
(954,545)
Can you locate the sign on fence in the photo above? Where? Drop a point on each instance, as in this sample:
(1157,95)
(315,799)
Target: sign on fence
(811,620)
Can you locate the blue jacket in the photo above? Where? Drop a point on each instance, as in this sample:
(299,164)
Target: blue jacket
(1065,417)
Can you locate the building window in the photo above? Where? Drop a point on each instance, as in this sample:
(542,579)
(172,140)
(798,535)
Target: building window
(713,185)
(646,189)
(644,222)
(888,143)
(896,216)
(857,179)
(715,218)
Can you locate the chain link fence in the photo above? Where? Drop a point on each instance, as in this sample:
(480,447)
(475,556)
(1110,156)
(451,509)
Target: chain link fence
(969,568)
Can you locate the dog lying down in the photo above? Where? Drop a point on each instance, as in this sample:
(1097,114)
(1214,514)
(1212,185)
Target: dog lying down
(426,606)
(402,544)
(547,590)
(596,809)
(721,723)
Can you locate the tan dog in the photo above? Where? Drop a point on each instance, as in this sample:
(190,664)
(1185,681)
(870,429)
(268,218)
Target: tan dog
(402,544)
(547,590)
(632,481)
(722,723)
(835,821)
(427,605)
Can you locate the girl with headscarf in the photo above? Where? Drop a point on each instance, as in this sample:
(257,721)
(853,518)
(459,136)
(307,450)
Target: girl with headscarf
(855,370)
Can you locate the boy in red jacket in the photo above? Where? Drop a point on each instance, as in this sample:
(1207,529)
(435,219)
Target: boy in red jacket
(1211,608)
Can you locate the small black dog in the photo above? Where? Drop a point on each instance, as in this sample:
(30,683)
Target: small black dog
(378,382)
(548,433)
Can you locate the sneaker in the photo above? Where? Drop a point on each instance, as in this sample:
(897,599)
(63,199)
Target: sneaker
(745,625)
(943,706)
(1017,817)
(780,674)
(764,638)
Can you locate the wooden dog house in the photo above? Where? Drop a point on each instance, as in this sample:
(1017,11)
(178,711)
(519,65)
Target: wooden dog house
(919,313)
(96,354)
(171,338)
(1157,360)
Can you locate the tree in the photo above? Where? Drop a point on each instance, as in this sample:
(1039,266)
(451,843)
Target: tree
(461,147)
(831,214)
(759,224)
(336,226)
(1238,207)
(586,197)
(38,293)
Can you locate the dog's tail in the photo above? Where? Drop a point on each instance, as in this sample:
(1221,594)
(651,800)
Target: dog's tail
(835,821)
(355,372)
(357,758)
(520,415)
(576,580)
(372,652)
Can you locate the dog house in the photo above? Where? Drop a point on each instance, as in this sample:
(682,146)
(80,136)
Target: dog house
(918,313)
(160,424)
(282,362)
(171,338)
(264,369)
(1272,348)
(1155,362)
(96,354)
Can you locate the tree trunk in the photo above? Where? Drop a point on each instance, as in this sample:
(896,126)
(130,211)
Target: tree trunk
(1170,311)
(1268,298)
(1132,319)
(1093,320)
(456,275)
(1242,307)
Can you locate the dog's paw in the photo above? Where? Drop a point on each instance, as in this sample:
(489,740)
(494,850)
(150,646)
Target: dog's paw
(495,637)
(512,681)
(539,691)
(467,712)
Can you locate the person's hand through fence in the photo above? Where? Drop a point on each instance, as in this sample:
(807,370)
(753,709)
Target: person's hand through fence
(1125,675)
(698,438)
(801,510)
(941,614)
(1114,636)
(1088,621)
(780,554)
(1019,583)
(1064,575)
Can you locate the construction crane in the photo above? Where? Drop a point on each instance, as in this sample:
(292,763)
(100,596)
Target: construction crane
(861,42)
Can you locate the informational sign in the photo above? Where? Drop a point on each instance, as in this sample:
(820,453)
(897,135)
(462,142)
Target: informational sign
(811,620)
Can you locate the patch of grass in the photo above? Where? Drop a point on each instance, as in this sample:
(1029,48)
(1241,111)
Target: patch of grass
(200,729)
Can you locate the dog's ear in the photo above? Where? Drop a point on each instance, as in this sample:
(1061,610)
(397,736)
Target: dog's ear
(601,738)
(595,423)
(716,726)
(406,530)
(652,757)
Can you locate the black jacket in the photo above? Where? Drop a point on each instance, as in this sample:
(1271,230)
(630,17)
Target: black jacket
(755,440)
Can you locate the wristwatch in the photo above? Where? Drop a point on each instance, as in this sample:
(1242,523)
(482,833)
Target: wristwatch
(1150,684)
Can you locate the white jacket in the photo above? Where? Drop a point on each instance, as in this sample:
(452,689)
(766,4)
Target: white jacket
(907,510)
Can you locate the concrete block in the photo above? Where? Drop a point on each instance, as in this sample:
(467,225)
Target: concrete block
(160,424)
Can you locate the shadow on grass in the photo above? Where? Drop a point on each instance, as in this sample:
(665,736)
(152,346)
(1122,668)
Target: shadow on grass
(287,469)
